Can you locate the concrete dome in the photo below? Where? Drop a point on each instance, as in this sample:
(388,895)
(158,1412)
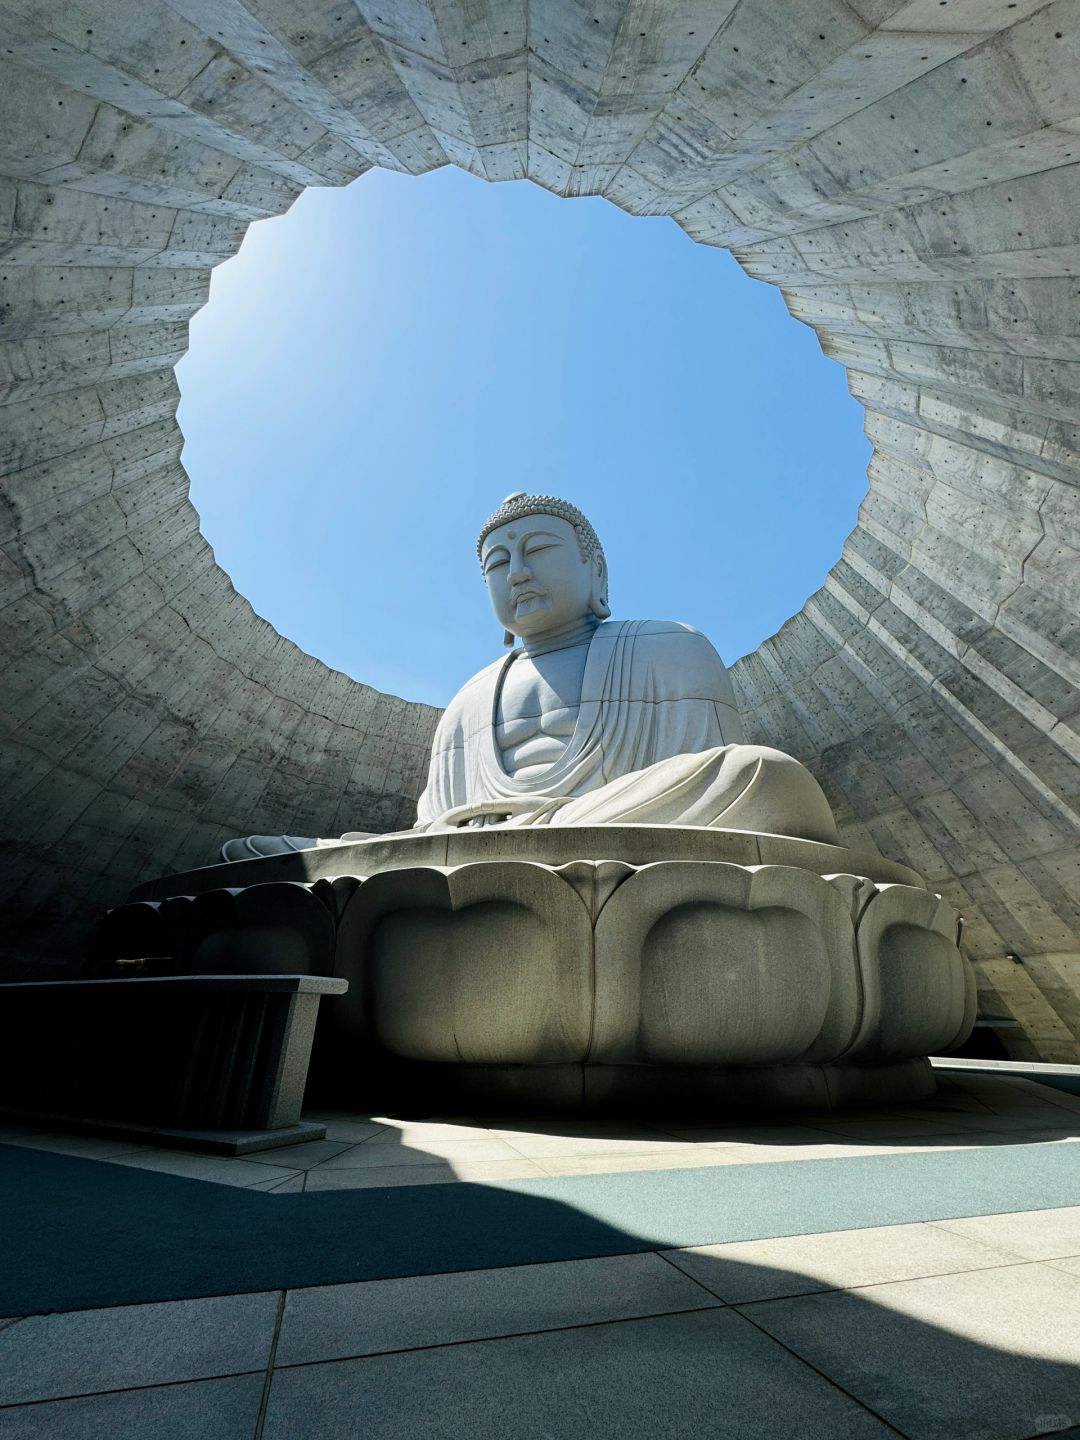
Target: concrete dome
(907,173)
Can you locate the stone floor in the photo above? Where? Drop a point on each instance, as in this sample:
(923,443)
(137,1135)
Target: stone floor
(362,1151)
(960,1327)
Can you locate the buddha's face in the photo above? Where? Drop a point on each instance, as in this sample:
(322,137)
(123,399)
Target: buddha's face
(536,578)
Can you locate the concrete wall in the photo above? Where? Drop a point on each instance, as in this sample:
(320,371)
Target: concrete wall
(907,173)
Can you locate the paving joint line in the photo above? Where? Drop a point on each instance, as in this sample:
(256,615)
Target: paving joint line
(798,1358)
(127,1389)
(1016,1264)
(948,1223)
(834,1384)
(660,1255)
(264,1398)
(509,1335)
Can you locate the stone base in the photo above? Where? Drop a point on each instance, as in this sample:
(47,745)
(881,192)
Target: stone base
(208,1142)
(545,845)
(716,1091)
(595,967)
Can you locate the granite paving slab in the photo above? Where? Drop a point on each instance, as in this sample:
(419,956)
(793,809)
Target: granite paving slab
(993,1353)
(46,1357)
(202,1410)
(1042,1236)
(338,1321)
(840,1260)
(705,1374)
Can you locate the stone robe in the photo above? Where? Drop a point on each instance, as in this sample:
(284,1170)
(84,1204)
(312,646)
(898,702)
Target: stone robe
(656,743)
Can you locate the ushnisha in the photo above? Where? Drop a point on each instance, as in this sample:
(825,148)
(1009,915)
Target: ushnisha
(589,720)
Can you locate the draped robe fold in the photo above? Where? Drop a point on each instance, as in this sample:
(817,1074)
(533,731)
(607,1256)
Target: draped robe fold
(656,742)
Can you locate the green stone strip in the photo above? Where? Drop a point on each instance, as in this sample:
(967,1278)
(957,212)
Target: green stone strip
(82,1233)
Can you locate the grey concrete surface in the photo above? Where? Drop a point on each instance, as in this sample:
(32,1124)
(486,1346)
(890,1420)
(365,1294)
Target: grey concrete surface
(1051,1235)
(225,1409)
(990,1352)
(802,1264)
(709,1373)
(907,173)
(940,1333)
(342,1321)
(48,1356)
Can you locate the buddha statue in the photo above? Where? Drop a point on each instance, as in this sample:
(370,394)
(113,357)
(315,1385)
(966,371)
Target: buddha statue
(608,901)
(589,720)
(593,721)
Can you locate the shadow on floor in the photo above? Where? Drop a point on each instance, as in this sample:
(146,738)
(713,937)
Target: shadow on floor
(82,1233)
(774,1360)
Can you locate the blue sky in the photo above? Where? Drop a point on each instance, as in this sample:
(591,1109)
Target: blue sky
(378,368)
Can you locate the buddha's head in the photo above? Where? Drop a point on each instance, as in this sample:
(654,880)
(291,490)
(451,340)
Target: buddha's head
(543,566)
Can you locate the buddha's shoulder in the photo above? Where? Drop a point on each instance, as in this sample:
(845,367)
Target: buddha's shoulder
(681,660)
(677,628)
(660,637)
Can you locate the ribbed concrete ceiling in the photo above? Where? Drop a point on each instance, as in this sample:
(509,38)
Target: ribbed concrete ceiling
(908,174)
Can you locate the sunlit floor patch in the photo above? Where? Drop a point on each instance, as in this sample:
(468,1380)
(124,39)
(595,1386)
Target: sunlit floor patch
(971,1111)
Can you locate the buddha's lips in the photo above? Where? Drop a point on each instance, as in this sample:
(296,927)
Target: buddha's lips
(521,595)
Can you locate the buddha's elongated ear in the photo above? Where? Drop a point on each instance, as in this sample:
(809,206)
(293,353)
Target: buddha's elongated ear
(598,601)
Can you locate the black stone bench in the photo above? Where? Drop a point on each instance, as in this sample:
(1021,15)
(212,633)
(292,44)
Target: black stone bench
(209,1062)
